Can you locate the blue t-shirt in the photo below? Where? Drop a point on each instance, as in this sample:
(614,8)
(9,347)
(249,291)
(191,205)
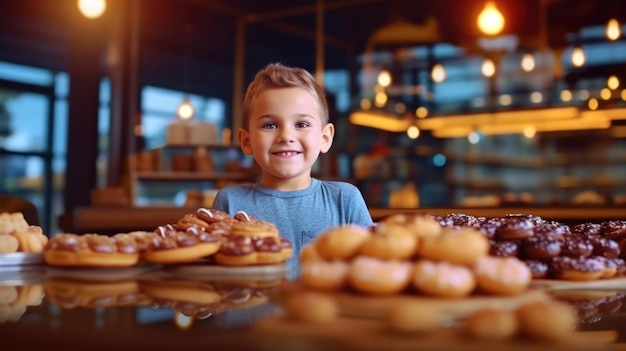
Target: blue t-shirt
(300,215)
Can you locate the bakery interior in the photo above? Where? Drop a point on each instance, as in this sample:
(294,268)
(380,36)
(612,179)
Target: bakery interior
(434,113)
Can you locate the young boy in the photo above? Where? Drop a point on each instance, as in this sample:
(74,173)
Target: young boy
(285,128)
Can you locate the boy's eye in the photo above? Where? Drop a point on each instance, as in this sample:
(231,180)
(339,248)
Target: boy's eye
(302,125)
(268,126)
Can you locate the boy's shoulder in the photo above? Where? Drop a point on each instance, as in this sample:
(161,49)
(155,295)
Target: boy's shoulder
(338,185)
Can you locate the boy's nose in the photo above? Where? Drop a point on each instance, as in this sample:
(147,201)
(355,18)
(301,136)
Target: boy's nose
(285,136)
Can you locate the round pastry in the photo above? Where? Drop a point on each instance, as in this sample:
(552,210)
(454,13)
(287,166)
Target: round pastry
(502,275)
(237,250)
(143,239)
(414,317)
(312,307)
(391,244)
(464,220)
(576,246)
(324,275)
(540,248)
(72,293)
(515,228)
(254,228)
(552,229)
(443,279)
(310,253)
(503,248)
(31,240)
(210,215)
(91,250)
(6,224)
(29,295)
(182,247)
(243,216)
(459,246)
(286,248)
(269,250)
(190,220)
(8,243)
(342,242)
(19,222)
(222,228)
(418,224)
(379,277)
(489,226)
(181,291)
(605,247)
(491,324)
(538,269)
(580,269)
(586,229)
(547,320)
(615,230)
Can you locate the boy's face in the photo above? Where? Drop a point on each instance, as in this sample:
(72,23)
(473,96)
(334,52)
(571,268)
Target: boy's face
(286,137)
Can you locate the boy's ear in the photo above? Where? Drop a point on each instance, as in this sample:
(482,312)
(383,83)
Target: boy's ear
(328,133)
(244,141)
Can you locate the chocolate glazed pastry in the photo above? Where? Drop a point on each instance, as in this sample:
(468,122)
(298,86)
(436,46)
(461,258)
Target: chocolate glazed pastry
(586,229)
(540,248)
(538,269)
(576,246)
(552,229)
(503,248)
(605,247)
(515,228)
(614,230)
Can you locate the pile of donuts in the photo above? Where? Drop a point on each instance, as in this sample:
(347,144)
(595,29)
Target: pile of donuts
(410,253)
(17,235)
(195,299)
(208,235)
(14,300)
(551,249)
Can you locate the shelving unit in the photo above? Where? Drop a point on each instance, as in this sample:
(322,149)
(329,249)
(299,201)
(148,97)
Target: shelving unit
(165,176)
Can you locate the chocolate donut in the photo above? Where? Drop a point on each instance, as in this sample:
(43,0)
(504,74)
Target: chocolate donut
(538,269)
(552,229)
(586,229)
(540,249)
(516,228)
(614,230)
(605,247)
(503,248)
(576,246)
(490,226)
(569,268)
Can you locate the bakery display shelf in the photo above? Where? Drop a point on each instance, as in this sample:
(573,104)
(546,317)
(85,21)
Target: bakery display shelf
(190,176)
(213,146)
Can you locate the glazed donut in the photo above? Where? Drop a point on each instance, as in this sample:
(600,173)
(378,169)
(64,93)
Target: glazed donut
(576,246)
(286,248)
(552,321)
(515,227)
(538,269)
(390,244)
(30,240)
(342,242)
(237,250)
(19,222)
(379,277)
(269,250)
(580,269)
(491,324)
(459,246)
(182,247)
(8,243)
(310,253)
(503,248)
(442,279)
(502,275)
(6,224)
(254,228)
(312,307)
(210,215)
(190,220)
(540,248)
(419,224)
(605,247)
(243,216)
(91,250)
(324,275)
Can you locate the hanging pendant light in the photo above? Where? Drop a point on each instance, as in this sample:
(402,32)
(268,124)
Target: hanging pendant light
(490,21)
(613,30)
(185,110)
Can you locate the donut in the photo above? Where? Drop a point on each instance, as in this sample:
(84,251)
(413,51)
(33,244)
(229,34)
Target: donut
(8,243)
(342,242)
(237,250)
(586,229)
(177,291)
(413,317)
(269,250)
(615,230)
(324,275)
(515,227)
(182,247)
(254,228)
(69,293)
(579,269)
(605,247)
(243,216)
(546,320)
(442,279)
(310,253)
(312,307)
(576,246)
(379,277)
(286,248)
(502,275)
(540,248)
(503,248)
(210,215)
(538,269)
(459,246)
(190,220)
(6,224)
(90,250)
(491,324)
(489,227)
(464,220)
(30,240)
(391,244)
(418,224)
(552,229)
(19,222)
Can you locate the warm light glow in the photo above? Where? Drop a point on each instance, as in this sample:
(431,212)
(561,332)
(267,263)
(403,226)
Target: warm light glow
(421,112)
(505,99)
(490,21)
(530,132)
(623,94)
(578,56)
(583,94)
(438,74)
(473,137)
(566,95)
(605,93)
(384,78)
(528,62)
(612,82)
(366,104)
(413,132)
(400,108)
(489,68)
(382,121)
(92,8)
(536,97)
(613,30)
(380,99)
(185,110)
(593,104)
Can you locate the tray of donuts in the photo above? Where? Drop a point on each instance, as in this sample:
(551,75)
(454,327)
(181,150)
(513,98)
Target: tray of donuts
(585,255)
(208,237)
(21,244)
(412,257)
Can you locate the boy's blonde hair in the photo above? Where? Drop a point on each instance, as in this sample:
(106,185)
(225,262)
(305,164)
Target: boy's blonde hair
(276,76)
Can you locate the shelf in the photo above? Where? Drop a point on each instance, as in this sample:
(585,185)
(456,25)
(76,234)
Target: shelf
(196,146)
(191,176)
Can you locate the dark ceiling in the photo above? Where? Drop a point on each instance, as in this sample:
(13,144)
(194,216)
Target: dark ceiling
(198,36)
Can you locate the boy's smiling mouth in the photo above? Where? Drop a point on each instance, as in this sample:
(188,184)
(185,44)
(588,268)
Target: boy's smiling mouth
(286,153)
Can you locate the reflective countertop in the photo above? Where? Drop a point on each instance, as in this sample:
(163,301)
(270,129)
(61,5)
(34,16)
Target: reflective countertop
(40,308)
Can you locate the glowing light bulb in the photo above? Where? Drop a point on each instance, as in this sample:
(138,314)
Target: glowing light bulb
(92,8)
(578,56)
(613,30)
(413,132)
(528,62)
(384,78)
(438,74)
(488,68)
(490,21)
(185,110)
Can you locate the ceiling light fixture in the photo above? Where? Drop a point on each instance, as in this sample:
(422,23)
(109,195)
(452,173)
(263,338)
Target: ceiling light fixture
(92,9)
(490,21)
